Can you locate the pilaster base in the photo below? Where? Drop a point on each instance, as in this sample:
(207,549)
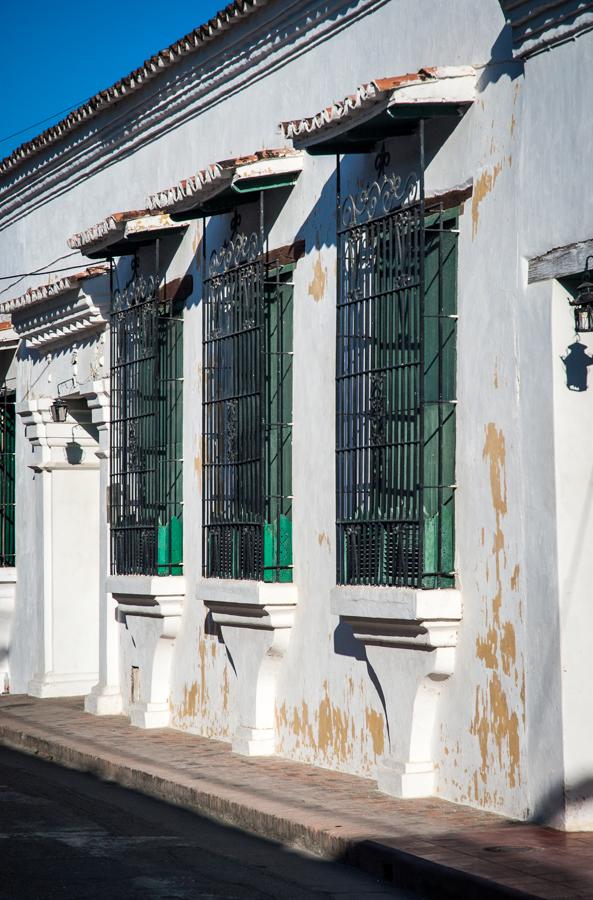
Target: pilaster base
(53,684)
(150,715)
(104,701)
(254,741)
(406,780)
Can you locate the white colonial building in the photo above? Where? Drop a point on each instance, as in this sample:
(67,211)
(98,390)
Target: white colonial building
(300,396)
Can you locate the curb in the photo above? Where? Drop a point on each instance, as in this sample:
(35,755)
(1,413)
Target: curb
(397,867)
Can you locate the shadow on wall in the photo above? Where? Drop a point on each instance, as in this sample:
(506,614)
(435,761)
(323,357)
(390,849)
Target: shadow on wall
(576,362)
(501,61)
(345,644)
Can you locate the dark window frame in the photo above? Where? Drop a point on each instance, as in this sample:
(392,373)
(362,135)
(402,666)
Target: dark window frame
(146,472)
(247,414)
(395,389)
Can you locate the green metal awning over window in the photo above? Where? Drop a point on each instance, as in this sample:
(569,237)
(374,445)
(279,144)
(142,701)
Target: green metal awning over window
(383,108)
(224,185)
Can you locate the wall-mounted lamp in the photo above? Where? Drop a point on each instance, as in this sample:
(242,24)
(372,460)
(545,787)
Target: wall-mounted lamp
(582,303)
(59,410)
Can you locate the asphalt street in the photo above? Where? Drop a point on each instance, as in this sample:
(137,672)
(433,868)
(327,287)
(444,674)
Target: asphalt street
(69,836)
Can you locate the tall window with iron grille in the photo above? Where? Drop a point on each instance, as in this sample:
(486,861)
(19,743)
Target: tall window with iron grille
(247,414)
(146,492)
(396,360)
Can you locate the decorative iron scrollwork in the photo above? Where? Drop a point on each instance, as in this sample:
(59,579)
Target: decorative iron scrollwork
(379,198)
(232,430)
(377,408)
(139,290)
(244,248)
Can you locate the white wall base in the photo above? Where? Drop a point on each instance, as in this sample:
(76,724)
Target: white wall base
(53,684)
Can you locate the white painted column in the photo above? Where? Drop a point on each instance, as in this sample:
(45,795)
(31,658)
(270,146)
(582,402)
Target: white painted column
(67,507)
(105,698)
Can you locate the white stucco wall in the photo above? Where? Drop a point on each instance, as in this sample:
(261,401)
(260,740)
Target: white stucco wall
(508,721)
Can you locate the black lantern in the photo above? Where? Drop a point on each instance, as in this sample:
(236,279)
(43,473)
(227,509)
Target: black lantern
(583,302)
(59,410)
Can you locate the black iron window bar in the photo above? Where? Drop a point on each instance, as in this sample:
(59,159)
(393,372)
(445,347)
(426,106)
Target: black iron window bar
(7,477)
(247,411)
(395,385)
(146,494)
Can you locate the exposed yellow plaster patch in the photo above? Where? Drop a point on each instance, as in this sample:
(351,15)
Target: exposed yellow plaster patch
(513,124)
(376,727)
(225,689)
(483,186)
(495,723)
(198,465)
(495,451)
(318,284)
(508,647)
(323,538)
(515,577)
(203,688)
(486,649)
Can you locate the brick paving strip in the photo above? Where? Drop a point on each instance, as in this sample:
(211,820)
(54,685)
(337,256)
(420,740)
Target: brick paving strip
(430,846)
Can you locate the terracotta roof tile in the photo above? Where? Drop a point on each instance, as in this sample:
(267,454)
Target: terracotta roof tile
(380,90)
(213,180)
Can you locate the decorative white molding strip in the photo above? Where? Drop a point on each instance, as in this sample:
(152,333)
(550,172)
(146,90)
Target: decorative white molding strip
(226,174)
(434,85)
(59,310)
(540,24)
(51,289)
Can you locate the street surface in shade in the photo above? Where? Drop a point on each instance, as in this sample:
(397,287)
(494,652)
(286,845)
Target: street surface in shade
(69,836)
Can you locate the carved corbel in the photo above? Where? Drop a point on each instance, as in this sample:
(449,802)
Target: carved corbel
(255,619)
(150,609)
(409,638)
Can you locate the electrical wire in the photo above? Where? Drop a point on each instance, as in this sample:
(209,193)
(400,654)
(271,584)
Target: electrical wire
(60,112)
(43,270)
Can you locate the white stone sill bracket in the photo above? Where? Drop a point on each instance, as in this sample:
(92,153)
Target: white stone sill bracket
(155,603)
(255,619)
(410,638)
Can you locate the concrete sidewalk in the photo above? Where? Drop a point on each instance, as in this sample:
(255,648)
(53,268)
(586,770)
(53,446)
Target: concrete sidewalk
(430,846)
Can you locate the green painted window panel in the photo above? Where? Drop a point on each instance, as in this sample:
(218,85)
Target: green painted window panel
(440,362)
(396,417)
(247,480)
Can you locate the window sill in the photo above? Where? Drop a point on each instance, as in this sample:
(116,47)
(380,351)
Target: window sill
(255,603)
(403,617)
(148,595)
(7,575)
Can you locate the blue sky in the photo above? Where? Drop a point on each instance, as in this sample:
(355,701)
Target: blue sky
(58,53)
